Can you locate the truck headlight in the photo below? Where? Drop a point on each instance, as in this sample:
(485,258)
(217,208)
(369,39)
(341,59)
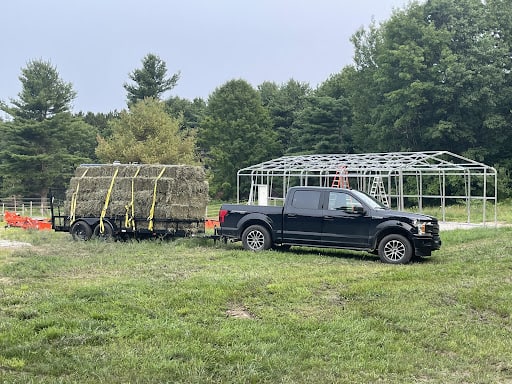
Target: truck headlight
(421,226)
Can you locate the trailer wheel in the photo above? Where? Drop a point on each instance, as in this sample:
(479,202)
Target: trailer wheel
(108,232)
(80,230)
(256,238)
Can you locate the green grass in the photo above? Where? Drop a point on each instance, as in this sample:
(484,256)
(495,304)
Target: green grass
(189,311)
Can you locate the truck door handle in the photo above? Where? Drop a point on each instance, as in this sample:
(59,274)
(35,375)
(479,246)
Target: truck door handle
(292,215)
(328,217)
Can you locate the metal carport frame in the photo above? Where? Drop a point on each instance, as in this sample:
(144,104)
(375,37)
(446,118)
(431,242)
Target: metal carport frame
(407,178)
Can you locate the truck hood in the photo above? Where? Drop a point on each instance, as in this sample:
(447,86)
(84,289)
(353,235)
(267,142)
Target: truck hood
(390,214)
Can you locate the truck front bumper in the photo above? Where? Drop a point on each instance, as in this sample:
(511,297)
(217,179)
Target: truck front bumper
(423,246)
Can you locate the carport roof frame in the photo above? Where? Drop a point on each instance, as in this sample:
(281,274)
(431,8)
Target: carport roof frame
(367,165)
(372,162)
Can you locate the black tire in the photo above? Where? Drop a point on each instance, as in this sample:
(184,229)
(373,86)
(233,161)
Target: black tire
(108,232)
(395,249)
(81,231)
(256,238)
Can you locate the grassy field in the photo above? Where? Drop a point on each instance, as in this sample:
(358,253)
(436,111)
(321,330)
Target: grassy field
(460,212)
(190,311)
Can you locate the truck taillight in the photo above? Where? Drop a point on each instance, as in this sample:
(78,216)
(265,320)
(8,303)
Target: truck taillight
(222,215)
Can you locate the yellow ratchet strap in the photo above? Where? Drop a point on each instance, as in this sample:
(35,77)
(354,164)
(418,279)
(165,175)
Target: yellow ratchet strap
(107,201)
(129,220)
(74,197)
(152,210)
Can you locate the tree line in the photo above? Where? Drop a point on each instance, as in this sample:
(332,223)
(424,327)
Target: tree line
(435,76)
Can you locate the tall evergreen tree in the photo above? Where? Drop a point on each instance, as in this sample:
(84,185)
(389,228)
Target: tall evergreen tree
(150,81)
(43,142)
(189,112)
(100,121)
(322,127)
(43,93)
(284,102)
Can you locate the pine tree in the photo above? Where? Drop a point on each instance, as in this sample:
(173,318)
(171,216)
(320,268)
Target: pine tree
(42,143)
(150,81)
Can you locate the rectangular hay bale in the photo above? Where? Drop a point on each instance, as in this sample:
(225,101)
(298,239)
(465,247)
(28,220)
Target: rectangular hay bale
(181,190)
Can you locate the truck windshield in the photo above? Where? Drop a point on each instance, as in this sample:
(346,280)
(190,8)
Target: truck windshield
(368,200)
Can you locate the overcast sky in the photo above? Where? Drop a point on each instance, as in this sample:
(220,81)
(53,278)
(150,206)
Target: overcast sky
(95,44)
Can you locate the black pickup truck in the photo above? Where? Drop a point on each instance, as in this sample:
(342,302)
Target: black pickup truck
(332,218)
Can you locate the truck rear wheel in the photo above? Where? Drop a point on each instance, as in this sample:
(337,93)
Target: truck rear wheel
(80,230)
(256,238)
(395,249)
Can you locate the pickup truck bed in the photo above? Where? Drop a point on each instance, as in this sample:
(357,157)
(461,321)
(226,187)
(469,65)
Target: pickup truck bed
(332,218)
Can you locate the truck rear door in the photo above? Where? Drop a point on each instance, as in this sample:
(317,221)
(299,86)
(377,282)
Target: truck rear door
(345,223)
(303,218)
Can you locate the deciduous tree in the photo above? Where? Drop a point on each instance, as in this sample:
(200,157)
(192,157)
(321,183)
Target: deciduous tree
(435,76)
(147,134)
(236,132)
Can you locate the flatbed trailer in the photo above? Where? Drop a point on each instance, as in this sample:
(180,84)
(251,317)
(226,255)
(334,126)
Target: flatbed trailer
(119,227)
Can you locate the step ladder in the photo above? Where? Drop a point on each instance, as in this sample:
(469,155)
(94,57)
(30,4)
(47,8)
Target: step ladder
(341,179)
(378,191)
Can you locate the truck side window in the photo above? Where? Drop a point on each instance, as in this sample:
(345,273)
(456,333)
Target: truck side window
(340,201)
(306,199)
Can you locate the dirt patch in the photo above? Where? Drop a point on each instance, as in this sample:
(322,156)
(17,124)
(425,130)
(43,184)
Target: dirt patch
(239,312)
(13,244)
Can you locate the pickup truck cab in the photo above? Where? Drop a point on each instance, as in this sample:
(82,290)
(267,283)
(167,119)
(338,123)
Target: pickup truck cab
(332,218)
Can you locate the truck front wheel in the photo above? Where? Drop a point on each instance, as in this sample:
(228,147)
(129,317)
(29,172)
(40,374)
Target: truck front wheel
(395,249)
(256,238)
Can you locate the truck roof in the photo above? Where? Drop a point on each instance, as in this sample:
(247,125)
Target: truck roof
(321,188)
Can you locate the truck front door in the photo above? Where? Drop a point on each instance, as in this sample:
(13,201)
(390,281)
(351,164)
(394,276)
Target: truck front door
(345,223)
(303,218)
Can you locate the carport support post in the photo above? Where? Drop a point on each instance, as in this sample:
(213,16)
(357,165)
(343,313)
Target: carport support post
(485,196)
(495,197)
(389,189)
(420,191)
(401,192)
(468,196)
(238,187)
(443,195)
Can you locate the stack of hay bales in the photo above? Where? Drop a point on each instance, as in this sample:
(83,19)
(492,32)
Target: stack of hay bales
(179,203)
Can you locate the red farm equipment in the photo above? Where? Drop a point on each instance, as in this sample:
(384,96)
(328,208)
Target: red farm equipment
(13,219)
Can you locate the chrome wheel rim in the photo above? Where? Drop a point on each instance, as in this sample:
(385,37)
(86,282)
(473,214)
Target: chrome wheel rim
(255,240)
(394,250)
